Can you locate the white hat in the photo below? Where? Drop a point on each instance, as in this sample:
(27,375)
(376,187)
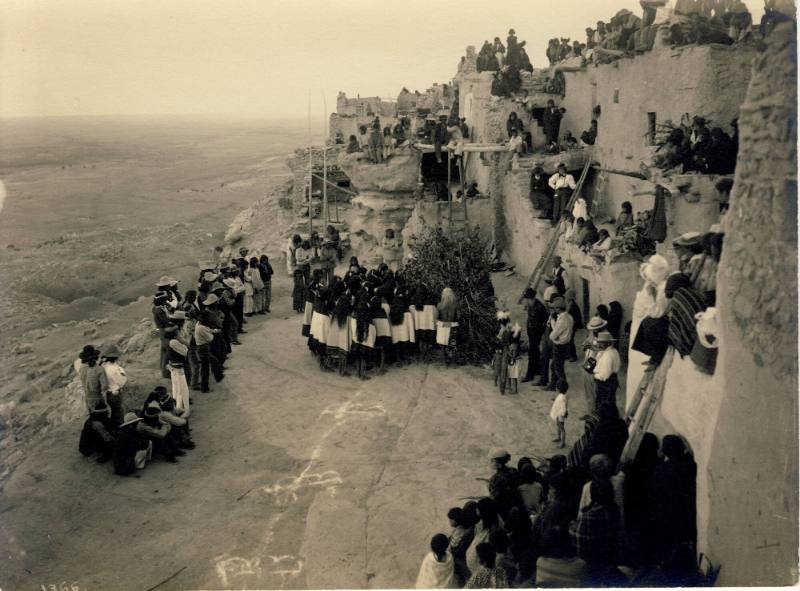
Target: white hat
(209,276)
(165,281)
(596,323)
(211,299)
(130,418)
(605,337)
(687,239)
(655,270)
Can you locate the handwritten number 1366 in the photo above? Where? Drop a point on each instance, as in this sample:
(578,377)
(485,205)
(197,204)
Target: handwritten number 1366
(62,587)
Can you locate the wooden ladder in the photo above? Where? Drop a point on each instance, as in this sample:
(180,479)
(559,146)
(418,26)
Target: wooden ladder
(544,260)
(644,404)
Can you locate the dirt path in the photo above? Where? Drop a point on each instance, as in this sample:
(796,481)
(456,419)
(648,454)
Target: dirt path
(300,478)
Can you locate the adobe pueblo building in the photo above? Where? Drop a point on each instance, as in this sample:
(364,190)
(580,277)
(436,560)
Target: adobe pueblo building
(738,417)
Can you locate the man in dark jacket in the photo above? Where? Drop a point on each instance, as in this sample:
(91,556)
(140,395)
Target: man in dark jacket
(537,320)
(541,194)
(132,449)
(551,122)
(160,312)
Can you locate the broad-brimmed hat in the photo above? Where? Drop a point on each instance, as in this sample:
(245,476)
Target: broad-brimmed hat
(161,296)
(130,418)
(209,276)
(688,239)
(111,352)
(596,323)
(165,281)
(605,337)
(498,453)
(88,353)
(210,300)
(177,315)
(430,117)
(230,282)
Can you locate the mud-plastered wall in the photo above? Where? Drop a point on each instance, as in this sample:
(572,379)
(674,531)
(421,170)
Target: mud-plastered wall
(707,80)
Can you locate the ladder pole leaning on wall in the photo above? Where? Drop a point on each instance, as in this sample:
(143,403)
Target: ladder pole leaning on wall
(643,414)
(449,196)
(536,275)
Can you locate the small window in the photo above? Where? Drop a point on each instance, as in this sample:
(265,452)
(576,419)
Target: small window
(616,95)
(651,129)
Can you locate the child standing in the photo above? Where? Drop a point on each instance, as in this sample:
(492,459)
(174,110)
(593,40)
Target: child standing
(559,413)
(500,362)
(298,292)
(513,359)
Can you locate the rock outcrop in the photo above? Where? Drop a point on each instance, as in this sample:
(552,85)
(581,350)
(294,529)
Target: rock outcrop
(398,174)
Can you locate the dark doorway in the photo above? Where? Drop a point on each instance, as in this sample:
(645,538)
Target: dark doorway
(433,171)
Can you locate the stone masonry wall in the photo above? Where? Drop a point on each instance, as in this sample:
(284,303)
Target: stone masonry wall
(753,523)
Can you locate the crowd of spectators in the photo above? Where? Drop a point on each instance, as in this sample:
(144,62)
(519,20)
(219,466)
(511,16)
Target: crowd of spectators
(687,21)
(378,142)
(694,147)
(196,332)
(575,521)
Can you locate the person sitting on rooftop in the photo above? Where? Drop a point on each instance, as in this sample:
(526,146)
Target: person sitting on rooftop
(604,242)
(569,141)
(625,217)
(472,190)
(721,153)
(515,143)
(524,61)
(552,51)
(590,236)
(399,132)
(589,137)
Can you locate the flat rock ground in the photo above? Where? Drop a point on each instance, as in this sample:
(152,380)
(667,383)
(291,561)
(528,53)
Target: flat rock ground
(300,479)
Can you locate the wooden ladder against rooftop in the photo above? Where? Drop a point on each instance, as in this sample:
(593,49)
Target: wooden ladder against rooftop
(544,260)
(644,404)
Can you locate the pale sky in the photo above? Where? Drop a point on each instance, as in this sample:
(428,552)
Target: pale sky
(255,57)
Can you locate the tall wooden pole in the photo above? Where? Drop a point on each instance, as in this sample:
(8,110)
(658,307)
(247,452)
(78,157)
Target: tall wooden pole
(310,177)
(325,215)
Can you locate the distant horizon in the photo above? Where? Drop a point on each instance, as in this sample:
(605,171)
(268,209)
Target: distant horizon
(271,59)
